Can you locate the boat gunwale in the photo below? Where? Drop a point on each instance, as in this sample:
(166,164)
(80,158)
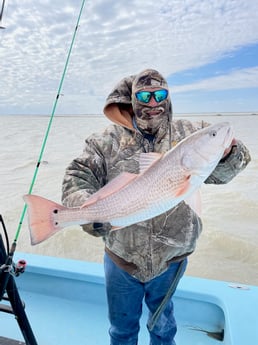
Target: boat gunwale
(237,301)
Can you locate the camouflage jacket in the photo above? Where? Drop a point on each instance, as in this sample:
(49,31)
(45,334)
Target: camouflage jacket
(144,249)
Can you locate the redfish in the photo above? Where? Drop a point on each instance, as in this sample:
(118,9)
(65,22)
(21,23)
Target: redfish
(163,182)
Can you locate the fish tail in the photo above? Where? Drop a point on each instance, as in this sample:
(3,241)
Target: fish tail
(41,214)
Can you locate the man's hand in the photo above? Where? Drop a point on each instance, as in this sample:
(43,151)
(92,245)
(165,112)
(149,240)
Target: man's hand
(102,227)
(97,229)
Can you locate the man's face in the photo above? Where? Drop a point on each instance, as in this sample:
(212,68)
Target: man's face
(150,107)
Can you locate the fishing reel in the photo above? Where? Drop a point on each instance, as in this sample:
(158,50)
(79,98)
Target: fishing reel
(7,264)
(14,269)
(20,267)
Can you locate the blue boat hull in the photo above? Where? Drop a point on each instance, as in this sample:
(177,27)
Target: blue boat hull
(66,304)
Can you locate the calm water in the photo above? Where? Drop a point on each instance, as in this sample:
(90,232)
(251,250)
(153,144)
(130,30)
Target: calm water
(228,247)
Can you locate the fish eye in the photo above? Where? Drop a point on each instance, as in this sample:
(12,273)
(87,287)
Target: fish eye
(213,134)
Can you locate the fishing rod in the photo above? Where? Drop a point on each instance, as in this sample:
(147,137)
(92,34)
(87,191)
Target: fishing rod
(1,14)
(13,247)
(7,268)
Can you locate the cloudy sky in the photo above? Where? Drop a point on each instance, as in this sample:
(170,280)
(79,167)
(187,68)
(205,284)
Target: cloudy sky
(207,50)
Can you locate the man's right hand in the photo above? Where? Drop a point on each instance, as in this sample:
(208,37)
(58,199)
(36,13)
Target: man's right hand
(97,229)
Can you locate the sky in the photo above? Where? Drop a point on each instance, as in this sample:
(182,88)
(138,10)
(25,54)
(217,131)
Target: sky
(206,49)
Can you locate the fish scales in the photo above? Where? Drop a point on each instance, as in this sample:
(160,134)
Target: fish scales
(151,190)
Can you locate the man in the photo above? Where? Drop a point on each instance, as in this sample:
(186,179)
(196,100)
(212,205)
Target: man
(144,260)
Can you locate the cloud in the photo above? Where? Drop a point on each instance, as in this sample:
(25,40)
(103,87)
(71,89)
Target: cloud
(114,39)
(240,79)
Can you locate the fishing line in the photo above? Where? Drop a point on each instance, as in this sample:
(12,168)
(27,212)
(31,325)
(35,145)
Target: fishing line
(48,130)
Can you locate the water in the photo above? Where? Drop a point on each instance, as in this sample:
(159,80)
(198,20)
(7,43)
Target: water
(228,247)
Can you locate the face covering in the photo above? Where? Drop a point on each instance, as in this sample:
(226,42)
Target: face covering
(150,119)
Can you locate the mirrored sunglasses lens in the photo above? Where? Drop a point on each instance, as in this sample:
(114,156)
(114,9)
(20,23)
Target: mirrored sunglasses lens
(160,95)
(143,96)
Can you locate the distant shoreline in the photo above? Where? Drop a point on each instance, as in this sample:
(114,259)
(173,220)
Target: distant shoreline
(255,113)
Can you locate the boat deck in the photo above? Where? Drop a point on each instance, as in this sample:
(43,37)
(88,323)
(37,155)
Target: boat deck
(66,304)
(57,321)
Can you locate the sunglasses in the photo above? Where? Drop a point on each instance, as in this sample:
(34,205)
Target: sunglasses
(145,96)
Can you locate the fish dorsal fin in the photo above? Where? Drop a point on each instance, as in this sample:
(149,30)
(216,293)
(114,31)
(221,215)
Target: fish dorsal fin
(111,187)
(148,159)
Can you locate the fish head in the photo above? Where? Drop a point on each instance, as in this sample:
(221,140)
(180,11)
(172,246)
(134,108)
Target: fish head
(206,147)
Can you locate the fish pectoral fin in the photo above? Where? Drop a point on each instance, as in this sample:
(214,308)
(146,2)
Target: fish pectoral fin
(184,186)
(194,199)
(110,188)
(195,202)
(148,159)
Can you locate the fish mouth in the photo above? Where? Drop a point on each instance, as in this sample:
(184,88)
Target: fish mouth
(228,138)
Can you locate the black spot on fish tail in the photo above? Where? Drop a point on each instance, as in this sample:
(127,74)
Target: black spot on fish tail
(55,212)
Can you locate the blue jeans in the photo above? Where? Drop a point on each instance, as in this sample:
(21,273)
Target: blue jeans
(125,295)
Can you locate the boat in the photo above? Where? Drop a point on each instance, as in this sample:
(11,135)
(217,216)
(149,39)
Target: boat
(65,304)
